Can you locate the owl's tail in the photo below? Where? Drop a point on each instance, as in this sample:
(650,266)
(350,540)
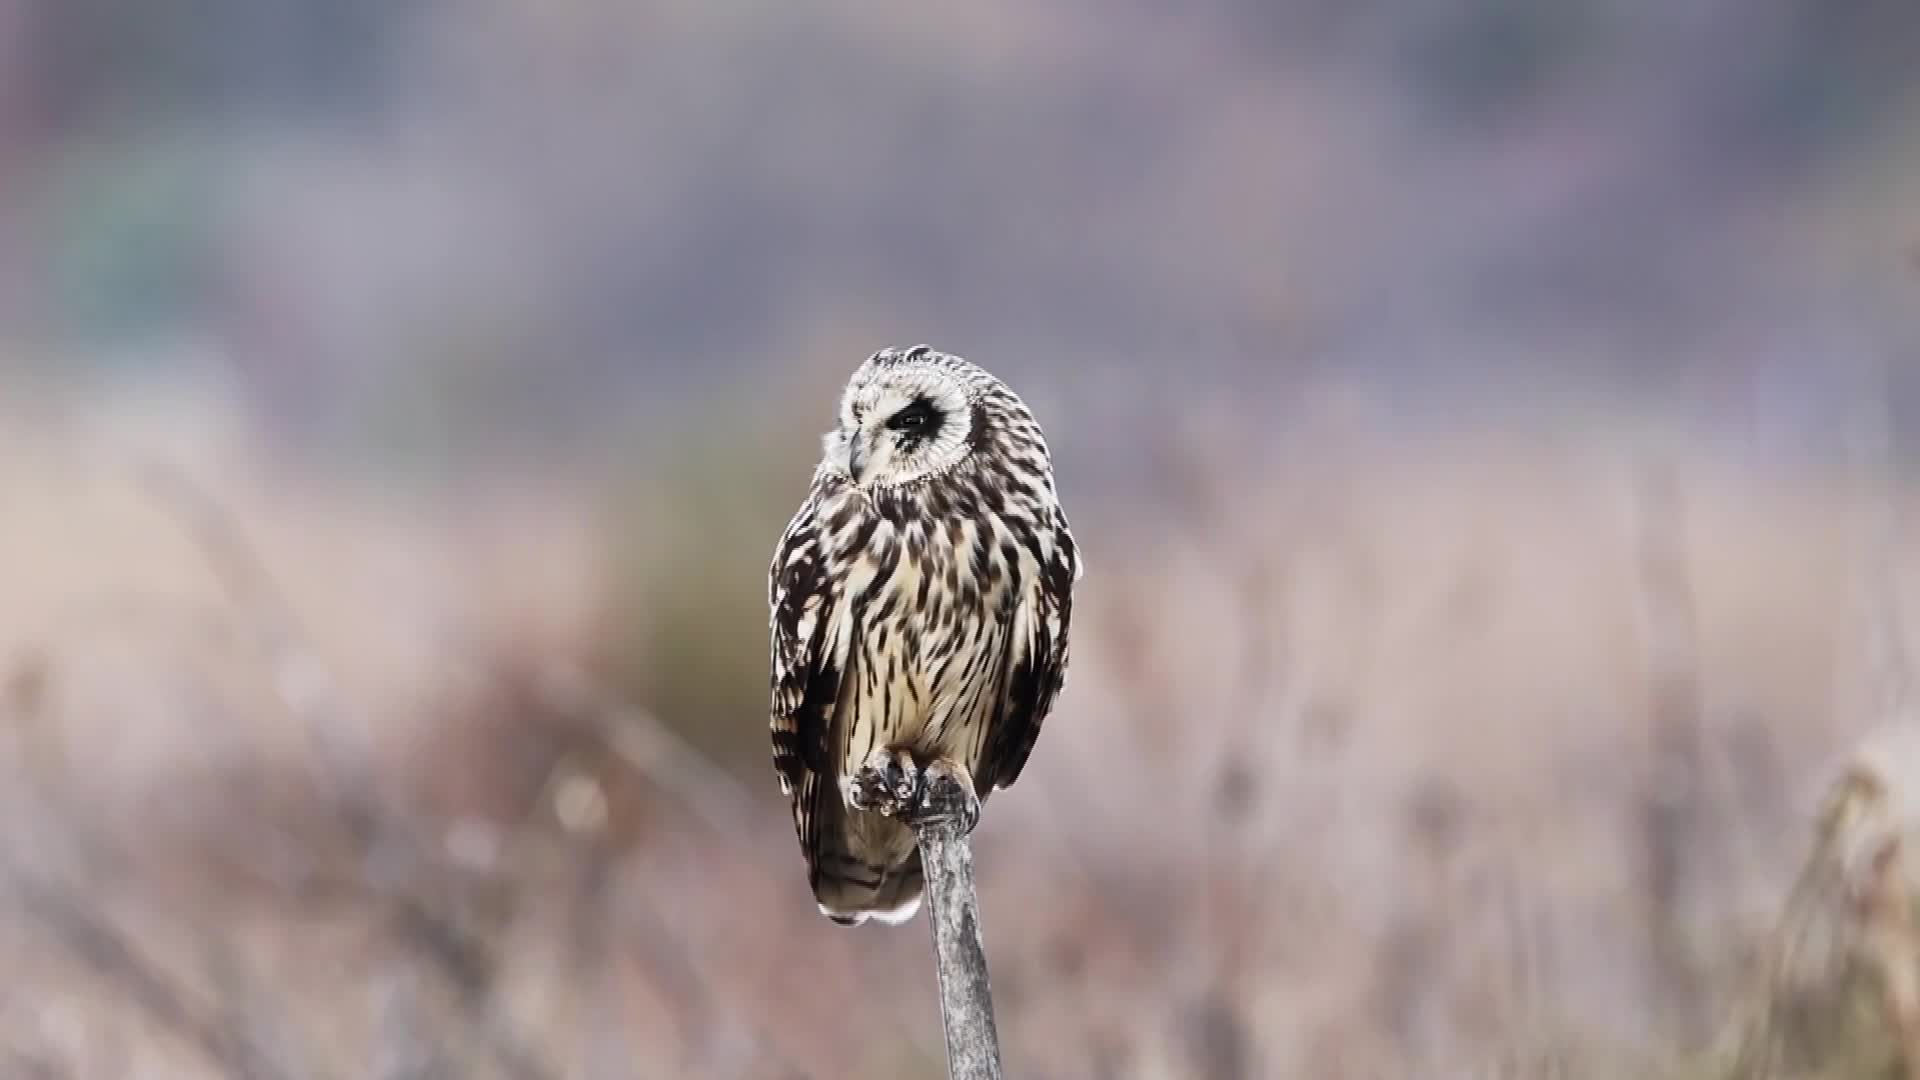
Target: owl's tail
(891,897)
(860,866)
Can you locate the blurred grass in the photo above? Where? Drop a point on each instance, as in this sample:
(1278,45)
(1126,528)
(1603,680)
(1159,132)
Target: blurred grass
(1355,784)
(690,538)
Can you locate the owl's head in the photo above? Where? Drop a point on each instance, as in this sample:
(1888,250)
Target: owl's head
(907,414)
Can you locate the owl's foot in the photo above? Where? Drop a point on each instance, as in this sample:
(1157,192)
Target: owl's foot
(885,783)
(946,795)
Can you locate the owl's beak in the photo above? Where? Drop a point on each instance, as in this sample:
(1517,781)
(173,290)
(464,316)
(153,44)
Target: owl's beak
(855,459)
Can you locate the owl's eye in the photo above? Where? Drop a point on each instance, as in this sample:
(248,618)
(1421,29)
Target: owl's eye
(917,417)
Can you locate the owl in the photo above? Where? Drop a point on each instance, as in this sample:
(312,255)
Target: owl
(919,606)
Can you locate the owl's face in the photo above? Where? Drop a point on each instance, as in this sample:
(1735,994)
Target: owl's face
(905,416)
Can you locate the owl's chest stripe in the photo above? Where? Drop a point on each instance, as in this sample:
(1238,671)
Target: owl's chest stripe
(928,671)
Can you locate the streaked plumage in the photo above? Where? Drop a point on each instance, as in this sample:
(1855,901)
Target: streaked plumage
(920,602)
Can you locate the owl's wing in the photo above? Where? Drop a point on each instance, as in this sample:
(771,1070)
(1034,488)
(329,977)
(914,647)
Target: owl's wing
(801,597)
(1039,661)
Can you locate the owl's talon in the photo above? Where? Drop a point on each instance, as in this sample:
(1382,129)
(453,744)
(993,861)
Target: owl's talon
(946,795)
(885,783)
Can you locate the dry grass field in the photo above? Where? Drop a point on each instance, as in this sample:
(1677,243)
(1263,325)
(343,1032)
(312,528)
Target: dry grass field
(1445,758)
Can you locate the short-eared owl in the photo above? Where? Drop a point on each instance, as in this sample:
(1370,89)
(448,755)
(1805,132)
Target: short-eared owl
(920,601)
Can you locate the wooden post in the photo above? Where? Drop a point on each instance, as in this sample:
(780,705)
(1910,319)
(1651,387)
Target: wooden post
(960,955)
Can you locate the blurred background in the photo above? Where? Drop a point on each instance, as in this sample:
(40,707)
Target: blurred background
(1489,425)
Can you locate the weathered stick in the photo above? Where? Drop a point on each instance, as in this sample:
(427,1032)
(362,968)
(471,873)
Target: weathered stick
(960,956)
